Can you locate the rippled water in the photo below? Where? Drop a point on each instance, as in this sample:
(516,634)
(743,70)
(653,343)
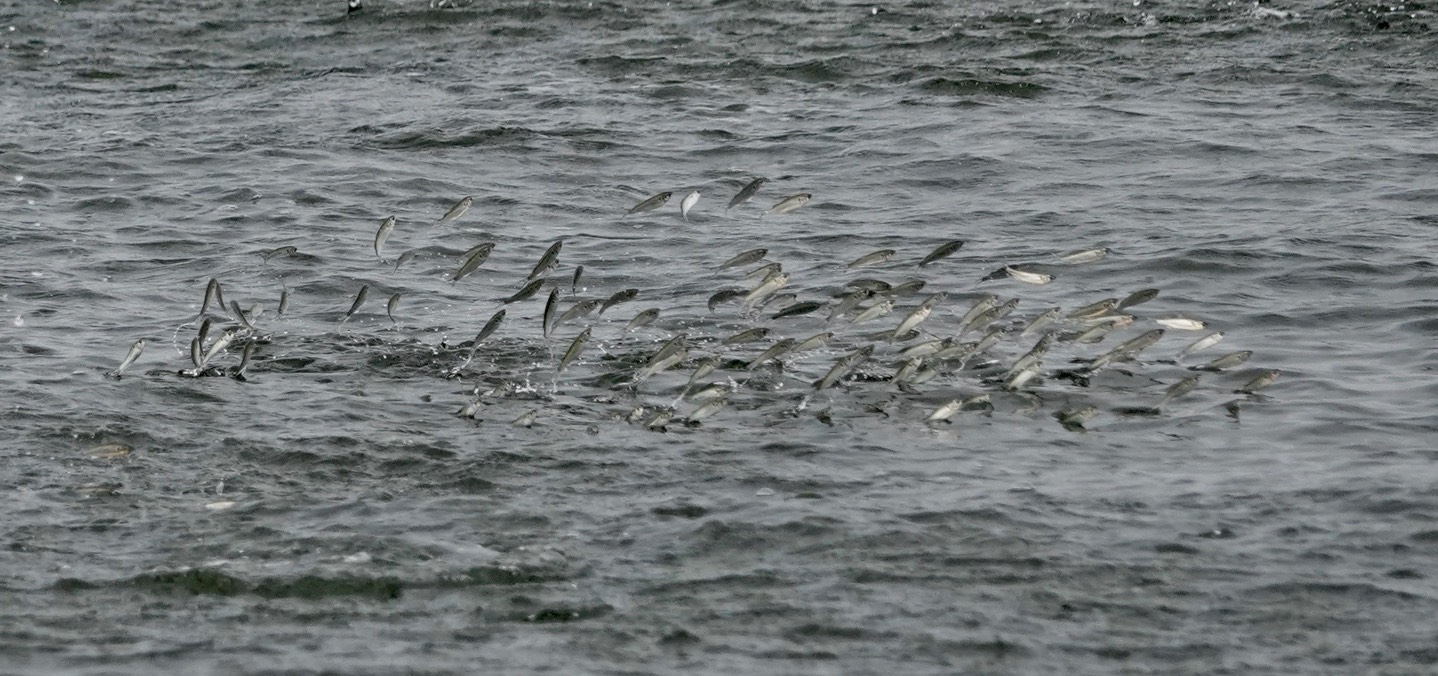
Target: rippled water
(1270,169)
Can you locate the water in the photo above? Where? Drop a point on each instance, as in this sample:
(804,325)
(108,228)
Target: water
(1270,169)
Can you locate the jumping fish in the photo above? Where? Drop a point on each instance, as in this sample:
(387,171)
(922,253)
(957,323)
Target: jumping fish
(873,258)
(650,204)
(1084,256)
(918,316)
(776,350)
(574,284)
(725,295)
(390,307)
(1094,309)
(849,302)
(843,366)
(523,294)
(750,256)
(874,311)
(707,410)
(405,258)
(688,203)
(815,341)
(284,301)
(1026,277)
(943,251)
(547,261)
(472,260)
(550,307)
(1074,418)
(1048,317)
(219,346)
(239,372)
(797,309)
(944,412)
(790,203)
(457,210)
(385,228)
(765,289)
(617,298)
(359,300)
(580,309)
(641,319)
(574,349)
(1179,389)
(765,272)
(1181,323)
(526,419)
(749,336)
(1227,361)
(745,193)
(908,288)
(1261,381)
(1140,296)
(240,316)
(983,304)
(1201,344)
(129,359)
(281,251)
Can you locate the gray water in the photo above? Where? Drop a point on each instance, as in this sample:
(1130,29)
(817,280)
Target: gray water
(1272,170)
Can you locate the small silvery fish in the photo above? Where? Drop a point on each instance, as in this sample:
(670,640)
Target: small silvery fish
(813,342)
(1263,380)
(574,349)
(1094,335)
(1048,317)
(725,295)
(284,301)
(867,284)
(1027,277)
(472,260)
(765,272)
(1182,323)
(240,315)
(359,300)
(548,261)
(849,302)
(580,309)
(766,289)
(707,410)
(659,419)
(777,349)
(688,203)
(1084,256)
(650,204)
(790,203)
(943,251)
(574,283)
(642,319)
(204,333)
(749,336)
(702,370)
(707,393)
(908,288)
(843,366)
(750,256)
(1179,389)
(529,290)
(1140,296)
(1201,344)
(219,346)
(1227,361)
(918,316)
(389,307)
(779,299)
(874,258)
(1094,309)
(405,258)
(551,306)
(527,418)
(926,348)
(385,228)
(943,413)
(212,295)
(983,304)
(1021,378)
(907,369)
(457,210)
(745,193)
(797,309)
(618,297)
(195,351)
(282,251)
(129,359)
(1074,418)
(239,372)
(659,365)
(489,328)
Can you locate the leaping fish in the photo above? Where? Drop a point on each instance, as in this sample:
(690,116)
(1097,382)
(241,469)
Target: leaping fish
(745,193)
(650,204)
(688,203)
(790,203)
(457,210)
(129,359)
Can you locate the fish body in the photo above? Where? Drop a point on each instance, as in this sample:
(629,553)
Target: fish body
(216,348)
(284,301)
(708,409)
(874,311)
(1018,380)
(523,294)
(390,307)
(1140,296)
(745,193)
(1182,323)
(1226,361)
(849,302)
(651,203)
(749,336)
(473,258)
(580,309)
(790,203)
(745,258)
(386,227)
(551,307)
(617,298)
(982,305)
(1179,389)
(1040,322)
(457,210)
(1037,278)
(358,302)
(574,283)
(688,203)
(776,350)
(547,262)
(575,347)
(526,419)
(942,251)
(843,366)
(1084,256)
(918,316)
(725,295)
(130,357)
(1076,417)
(797,309)
(489,328)
(908,288)
(874,258)
(944,412)
(1263,380)
(767,288)
(1094,309)
(1201,344)
(815,341)
(642,319)
(281,251)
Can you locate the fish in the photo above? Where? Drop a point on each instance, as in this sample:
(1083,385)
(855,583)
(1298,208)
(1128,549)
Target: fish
(217,347)
(782,299)
(749,336)
(1261,381)
(926,348)
(790,203)
(617,298)
(1038,323)
(472,260)
(908,288)
(659,419)
(1179,389)
(918,315)
(195,351)
(523,294)
(797,309)
(526,419)
(405,258)
(1227,361)
(359,300)
(944,412)
(1027,277)
(213,295)
(776,350)
(989,316)
(129,359)
(574,284)
(651,203)
(942,251)
(1018,380)
(873,312)
(1140,296)
(547,262)
(580,309)
(457,210)
(843,366)
(767,288)
(204,332)
(1182,323)
(284,301)
(708,409)
(574,349)
(669,354)
(1094,309)
(813,342)
(702,370)
(745,258)
(1084,256)
(239,372)
(642,319)
(239,315)
(1074,418)
(764,272)
(489,328)
(725,295)
(873,258)
(745,193)
(907,369)
(550,307)
(385,228)
(1201,344)
(707,393)
(1094,335)
(985,303)
(688,203)
(868,284)
(281,251)
(849,302)
(389,307)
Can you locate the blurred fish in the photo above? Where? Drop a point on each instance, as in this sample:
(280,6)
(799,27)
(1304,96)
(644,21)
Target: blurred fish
(1181,323)
(284,301)
(873,312)
(550,308)
(650,204)
(489,328)
(580,309)
(282,251)
(526,419)
(750,256)
(745,193)
(849,302)
(765,289)
(944,412)
(405,258)
(1048,317)
(874,258)
(985,303)
(523,294)
(1179,389)
(1026,277)
(688,203)
(776,350)
(815,341)
(918,315)
(641,319)
(457,210)
(389,307)
(908,288)
(797,309)
(868,284)
(725,295)
(1074,418)
(1227,361)
(843,366)
(1201,344)
(385,228)
(547,262)
(129,359)
(574,284)
(1094,309)
(1084,256)
(1263,380)
(617,298)
(943,251)
(217,347)
(472,260)
(239,372)
(748,336)
(707,410)
(359,300)
(1140,296)
(575,348)
(239,315)
(765,272)
(790,203)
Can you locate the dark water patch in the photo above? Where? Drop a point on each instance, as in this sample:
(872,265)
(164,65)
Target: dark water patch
(971,86)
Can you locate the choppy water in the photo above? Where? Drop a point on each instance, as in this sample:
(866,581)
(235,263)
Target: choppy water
(1272,170)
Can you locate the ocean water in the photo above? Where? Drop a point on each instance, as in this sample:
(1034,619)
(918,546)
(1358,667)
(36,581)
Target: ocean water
(1270,169)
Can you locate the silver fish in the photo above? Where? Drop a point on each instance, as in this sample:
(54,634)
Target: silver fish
(943,251)
(797,309)
(1094,309)
(489,328)
(874,258)
(204,333)
(1227,361)
(129,359)
(389,307)
(641,319)
(284,301)
(1021,378)
(707,393)
(766,289)
(745,193)
(688,203)
(790,203)
(547,262)
(550,308)
(926,348)
(874,311)
(1201,344)
(660,365)
(849,302)
(725,295)
(765,273)
(867,284)
(989,316)
(1084,256)
(580,309)
(1261,381)
(385,228)
(918,316)
(843,366)
(1179,389)
(526,419)
(239,372)
(457,210)
(1048,317)
(617,298)
(1027,277)
(239,315)
(282,251)
(1140,296)
(574,283)
(943,413)
(574,349)
(1076,417)
(908,288)
(1094,335)
(776,350)
(907,369)
(750,256)
(650,204)
(813,342)
(195,351)
(472,260)
(212,295)
(219,346)
(708,409)
(1182,323)
(702,370)
(523,294)
(983,304)
(359,300)
(780,299)
(405,258)
(659,419)
(749,336)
